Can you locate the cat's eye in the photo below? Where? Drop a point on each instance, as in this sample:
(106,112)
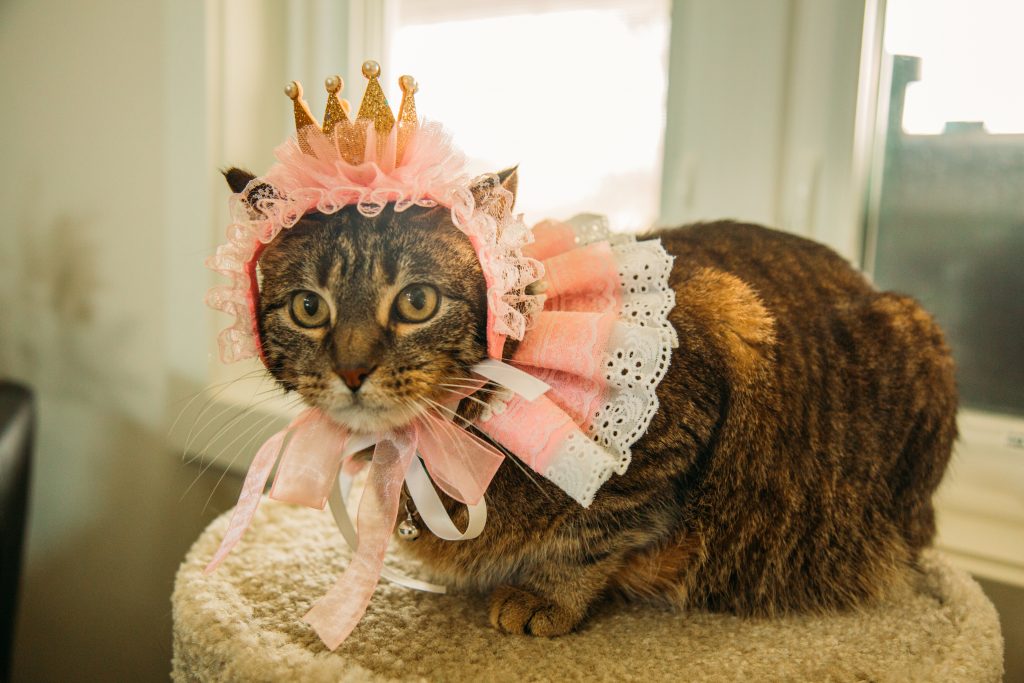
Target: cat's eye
(309,309)
(416,303)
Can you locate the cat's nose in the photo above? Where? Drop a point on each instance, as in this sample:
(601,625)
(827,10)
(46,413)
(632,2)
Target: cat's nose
(354,377)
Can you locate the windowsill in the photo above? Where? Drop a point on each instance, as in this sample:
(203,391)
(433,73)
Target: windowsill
(980,505)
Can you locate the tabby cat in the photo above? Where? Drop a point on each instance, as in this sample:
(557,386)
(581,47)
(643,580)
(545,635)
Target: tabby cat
(804,423)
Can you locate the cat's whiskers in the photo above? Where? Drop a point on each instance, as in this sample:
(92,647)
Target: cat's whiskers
(207,405)
(244,448)
(438,406)
(415,409)
(229,424)
(437,423)
(473,381)
(276,388)
(209,387)
(467,386)
(260,427)
(260,423)
(431,427)
(194,434)
(244,432)
(471,398)
(486,439)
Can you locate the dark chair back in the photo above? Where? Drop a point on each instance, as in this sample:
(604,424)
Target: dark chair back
(17,427)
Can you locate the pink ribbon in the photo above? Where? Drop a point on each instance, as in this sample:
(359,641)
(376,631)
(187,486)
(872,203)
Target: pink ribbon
(314,449)
(335,614)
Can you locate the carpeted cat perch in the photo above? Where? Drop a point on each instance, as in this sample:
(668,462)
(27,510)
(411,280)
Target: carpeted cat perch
(243,623)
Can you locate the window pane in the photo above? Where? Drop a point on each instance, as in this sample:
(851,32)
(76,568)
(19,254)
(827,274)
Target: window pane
(574,94)
(950,216)
(971,57)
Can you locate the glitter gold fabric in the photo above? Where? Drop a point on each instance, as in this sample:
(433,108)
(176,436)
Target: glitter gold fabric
(375,109)
(335,114)
(406,114)
(303,117)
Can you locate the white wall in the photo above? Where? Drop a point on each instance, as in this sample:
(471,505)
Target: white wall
(117,116)
(97,178)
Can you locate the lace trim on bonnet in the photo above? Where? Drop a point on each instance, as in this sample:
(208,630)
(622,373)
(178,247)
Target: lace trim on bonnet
(431,173)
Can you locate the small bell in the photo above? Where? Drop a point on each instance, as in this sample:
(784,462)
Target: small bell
(408,531)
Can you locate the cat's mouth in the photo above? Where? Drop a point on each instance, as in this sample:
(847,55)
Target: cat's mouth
(372,409)
(361,416)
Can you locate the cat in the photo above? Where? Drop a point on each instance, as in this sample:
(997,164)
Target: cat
(804,423)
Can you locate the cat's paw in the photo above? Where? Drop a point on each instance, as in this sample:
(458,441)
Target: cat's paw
(514,610)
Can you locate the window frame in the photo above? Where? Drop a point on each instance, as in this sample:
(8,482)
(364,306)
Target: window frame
(980,504)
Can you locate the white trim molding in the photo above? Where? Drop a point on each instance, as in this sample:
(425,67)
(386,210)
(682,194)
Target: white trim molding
(766,133)
(980,505)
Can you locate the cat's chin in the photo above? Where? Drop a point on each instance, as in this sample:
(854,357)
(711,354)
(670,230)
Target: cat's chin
(367,420)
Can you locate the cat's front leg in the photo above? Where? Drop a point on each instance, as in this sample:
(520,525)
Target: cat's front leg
(552,602)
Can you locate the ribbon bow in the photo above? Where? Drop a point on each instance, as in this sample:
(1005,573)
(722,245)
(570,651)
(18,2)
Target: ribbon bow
(314,450)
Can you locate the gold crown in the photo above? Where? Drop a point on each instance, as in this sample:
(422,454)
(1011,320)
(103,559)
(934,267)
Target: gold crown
(350,136)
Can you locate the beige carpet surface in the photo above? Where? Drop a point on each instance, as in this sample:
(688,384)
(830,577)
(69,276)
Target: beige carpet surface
(243,623)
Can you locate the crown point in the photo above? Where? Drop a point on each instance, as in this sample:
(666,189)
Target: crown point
(334,84)
(371,69)
(408,84)
(293,90)
(407,121)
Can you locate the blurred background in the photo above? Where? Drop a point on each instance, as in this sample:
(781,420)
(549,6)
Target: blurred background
(891,131)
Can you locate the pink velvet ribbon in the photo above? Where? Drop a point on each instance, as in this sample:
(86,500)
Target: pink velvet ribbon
(314,449)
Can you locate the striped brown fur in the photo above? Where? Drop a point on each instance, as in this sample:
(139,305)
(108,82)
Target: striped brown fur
(804,423)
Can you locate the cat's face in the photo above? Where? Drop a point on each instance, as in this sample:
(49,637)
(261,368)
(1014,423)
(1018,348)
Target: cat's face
(369,319)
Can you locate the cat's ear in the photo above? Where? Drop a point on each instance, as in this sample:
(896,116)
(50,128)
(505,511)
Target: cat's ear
(486,192)
(237,178)
(509,179)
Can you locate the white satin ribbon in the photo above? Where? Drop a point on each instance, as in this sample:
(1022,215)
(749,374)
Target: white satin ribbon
(511,377)
(432,511)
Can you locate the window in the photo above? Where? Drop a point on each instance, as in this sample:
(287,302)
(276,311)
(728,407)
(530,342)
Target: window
(580,93)
(945,223)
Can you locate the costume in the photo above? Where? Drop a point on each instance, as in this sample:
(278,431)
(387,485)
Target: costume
(588,308)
